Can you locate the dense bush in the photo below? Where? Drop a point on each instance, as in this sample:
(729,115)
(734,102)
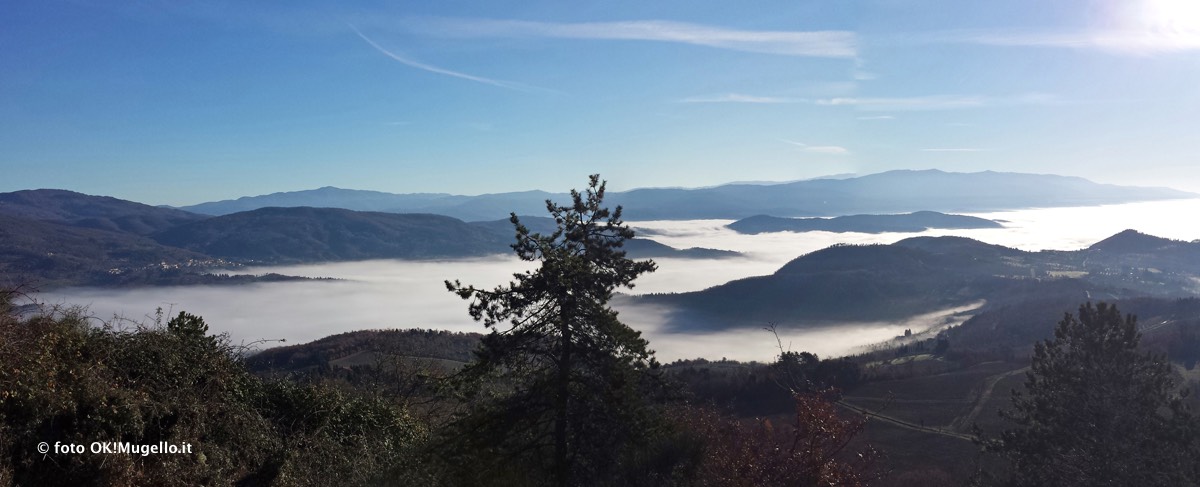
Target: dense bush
(809,450)
(65,380)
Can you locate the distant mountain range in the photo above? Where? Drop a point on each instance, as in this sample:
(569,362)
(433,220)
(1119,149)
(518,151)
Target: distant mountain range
(889,192)
(924,274)
(59,238)
(64,238)
(908,222)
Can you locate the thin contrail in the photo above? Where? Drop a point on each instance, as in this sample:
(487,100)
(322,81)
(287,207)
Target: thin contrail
(435,69)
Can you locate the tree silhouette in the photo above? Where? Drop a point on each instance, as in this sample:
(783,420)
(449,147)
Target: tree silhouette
(569,369)
(1095,411)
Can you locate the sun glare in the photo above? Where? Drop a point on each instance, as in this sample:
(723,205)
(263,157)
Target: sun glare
(1176,20)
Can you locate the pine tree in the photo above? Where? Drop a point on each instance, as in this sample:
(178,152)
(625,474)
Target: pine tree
(1096,411)
(570,370)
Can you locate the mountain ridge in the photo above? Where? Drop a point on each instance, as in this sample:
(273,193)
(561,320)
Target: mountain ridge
(921,274)
(89,211)
(918,221)
(898,191)
(307,234)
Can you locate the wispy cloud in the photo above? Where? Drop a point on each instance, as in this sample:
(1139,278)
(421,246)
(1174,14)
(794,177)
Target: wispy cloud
(938,102)
(443,71)
(877,117)
(955,149)
(828,149)
(739,98)
(819,149)
(838,44)
(1133,41)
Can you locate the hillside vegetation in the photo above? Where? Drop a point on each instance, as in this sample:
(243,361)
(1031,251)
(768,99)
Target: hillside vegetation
(99,212)
(66,381)
(292,235)
(923,274)
(60,238)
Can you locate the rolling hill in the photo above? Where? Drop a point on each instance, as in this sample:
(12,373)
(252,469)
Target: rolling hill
(53,254)
(59,238)
(302,235)
(87,211)
(908,222)
(295,235)
(922,274)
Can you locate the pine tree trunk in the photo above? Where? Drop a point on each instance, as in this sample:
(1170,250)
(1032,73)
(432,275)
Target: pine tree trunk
(560,422)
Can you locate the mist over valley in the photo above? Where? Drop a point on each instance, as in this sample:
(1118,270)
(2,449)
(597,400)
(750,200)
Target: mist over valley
(377,294)
(600,244)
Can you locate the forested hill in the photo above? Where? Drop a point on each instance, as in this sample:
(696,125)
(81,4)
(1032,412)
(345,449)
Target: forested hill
(1135,242)
(1168,325)
(365,347)
(52,254)
(907,222)
(923,274)
(293,235)
(888,192)
(99,212)
(55,238)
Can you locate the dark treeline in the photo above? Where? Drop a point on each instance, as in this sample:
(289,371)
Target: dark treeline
(757,389)
(438,344)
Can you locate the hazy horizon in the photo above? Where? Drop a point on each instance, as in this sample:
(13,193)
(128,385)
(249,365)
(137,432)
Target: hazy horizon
(179,103)
(612,188)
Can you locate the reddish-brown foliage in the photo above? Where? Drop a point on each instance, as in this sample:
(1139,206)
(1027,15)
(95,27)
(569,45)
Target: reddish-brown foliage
(811,451)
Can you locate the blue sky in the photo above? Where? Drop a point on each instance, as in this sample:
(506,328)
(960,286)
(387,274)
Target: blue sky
(170,102)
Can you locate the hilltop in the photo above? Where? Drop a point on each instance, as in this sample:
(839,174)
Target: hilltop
(923,274)
(86,211)
(909,222)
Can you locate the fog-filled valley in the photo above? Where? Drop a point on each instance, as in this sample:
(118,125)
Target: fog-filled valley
(381,294)
(600,244)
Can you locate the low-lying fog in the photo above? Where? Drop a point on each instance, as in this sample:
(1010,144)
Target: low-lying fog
(408,294)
